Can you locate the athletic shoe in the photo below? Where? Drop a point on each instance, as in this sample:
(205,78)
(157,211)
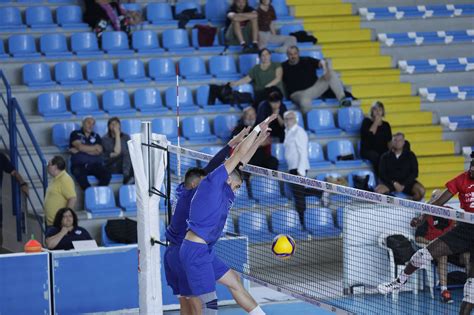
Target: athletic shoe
(345,102)
(446,297)
(389,287)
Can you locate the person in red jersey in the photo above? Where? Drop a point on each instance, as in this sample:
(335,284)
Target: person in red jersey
(458,240)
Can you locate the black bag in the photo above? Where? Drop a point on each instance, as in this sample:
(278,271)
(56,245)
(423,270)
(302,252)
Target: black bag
(401,247)
(304,37)
(347,157)
(457,278)
(239,98)
(122,231)
(186,15)
(361,182)
(226,95)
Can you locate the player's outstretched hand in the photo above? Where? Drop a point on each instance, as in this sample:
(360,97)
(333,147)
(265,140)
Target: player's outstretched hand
(263,136)
(264,124)
(239,137)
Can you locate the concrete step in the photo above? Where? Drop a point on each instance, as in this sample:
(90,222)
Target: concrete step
(386,3)
(399,120)
(457,107)
(434,148)
(417,25)
(421,80)
(395,107)
(316,10)
(428,51)
(435,161)
(447,167)
(381,90)
(361,63)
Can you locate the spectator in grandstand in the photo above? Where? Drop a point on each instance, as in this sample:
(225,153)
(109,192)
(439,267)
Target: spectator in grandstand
(302,83)
(116,155)
(101,13)
(456,241)
(86,155)
(242,26)
(273,105)
(65,230)
(61,191)
(263,76)
(432,228)
(266,28)
(375,136)
(398,170)
(296,156)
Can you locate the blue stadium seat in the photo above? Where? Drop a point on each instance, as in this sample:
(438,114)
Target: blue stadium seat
(242,198)
(244,88)
(69,73)
(279,57)
(148,100)
(10,18)
(2,50)
(128,199)
(132,6)
(278,151)
(247,62)
(100,128)
(53,105)
(197,130)
(131,126)
(177,41)
(166,126)
(316,156)
(291,28)
(160,14)
(189,5)
(37,75)
(350,119)
(362,173)
(288,222)
(337,148)
(106,241)
(101,72)
(320,222)
(61,133)
(321,122)
(132,71)
(216,10)
(268,190)
(85,103)
(316,54)
(215,45)
(116,43)
(281,10)
(223,126)
(117,102)
(146,41)
(202,98)
(223,68)
(100,201)
(85,44)
(186,102)
(193,68)
(54,45)
(210,150)
(39,17)
(116,178)
(254,225)
(22,46)
(70,16)
(162,69)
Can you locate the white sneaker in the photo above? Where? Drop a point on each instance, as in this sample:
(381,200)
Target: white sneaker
(389,287)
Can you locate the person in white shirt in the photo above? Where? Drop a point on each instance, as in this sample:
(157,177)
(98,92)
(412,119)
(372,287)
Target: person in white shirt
(296,156)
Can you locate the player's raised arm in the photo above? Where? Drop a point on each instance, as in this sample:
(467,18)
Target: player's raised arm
(243,148)
(262,137)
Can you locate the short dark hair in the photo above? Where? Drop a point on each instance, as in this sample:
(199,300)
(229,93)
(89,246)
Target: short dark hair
(59,162)
(260,52)
(377,104)
(274,95)
(399,134)
(59,217)
(192,174)
(111,120)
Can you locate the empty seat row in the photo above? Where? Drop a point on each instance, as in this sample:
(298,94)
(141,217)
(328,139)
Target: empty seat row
(68,16)
(421,11)
(437,65)
(458,122)
(447,93)
(129,71)
(420,38)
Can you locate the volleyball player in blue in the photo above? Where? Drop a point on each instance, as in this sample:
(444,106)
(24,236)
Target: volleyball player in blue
(210,206)
(177,229)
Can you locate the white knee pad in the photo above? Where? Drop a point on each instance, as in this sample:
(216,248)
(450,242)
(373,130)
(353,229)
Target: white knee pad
(469,291)
(421,258)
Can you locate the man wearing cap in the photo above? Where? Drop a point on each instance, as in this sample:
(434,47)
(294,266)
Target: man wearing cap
(86,155)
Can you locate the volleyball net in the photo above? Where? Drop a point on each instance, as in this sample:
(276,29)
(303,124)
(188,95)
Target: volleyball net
(340,233)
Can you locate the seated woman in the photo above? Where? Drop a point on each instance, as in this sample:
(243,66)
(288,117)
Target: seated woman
(273,105)
(263,76)
(65,230)
(100,13)
(116,155)
(375,136)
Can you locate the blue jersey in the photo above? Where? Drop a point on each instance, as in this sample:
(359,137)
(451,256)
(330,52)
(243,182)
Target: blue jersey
(177,229)
(210,206)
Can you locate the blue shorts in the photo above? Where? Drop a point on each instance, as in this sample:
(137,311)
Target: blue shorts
(202,267)
(175,276)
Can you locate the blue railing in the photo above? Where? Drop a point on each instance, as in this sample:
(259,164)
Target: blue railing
(39,171)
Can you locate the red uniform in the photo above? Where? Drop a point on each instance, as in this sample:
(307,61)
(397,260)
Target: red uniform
(464,185)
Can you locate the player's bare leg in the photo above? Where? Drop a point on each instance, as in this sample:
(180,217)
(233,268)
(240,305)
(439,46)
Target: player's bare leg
(232,281)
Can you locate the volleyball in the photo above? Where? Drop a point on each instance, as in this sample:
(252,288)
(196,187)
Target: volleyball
(283,246)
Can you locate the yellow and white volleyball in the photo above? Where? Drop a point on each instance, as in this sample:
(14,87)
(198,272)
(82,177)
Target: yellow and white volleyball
(283,246)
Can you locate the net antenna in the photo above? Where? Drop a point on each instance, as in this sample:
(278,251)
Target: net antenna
(148,153)
(178,156)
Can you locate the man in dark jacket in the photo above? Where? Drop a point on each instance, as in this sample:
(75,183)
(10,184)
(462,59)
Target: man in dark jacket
(398,170)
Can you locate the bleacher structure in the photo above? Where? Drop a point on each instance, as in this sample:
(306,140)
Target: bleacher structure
(417,60)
